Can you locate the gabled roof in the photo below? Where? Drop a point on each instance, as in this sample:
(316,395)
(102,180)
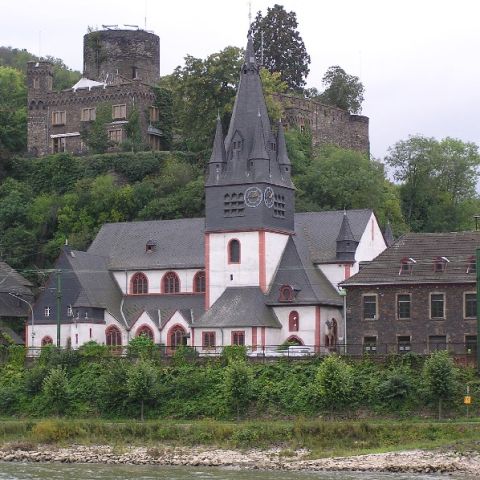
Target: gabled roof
(317,232)
(179,244)
(12,281)
(161,308)
(423,248)
(239,307)
(311,288)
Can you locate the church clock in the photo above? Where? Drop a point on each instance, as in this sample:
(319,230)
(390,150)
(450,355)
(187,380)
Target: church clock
(253,197)
(269,197)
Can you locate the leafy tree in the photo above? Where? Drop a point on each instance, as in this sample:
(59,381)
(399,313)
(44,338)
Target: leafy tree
(142,383)
(13,114)
(283,47)
(438,181)
(56,389)
(238,381)
(440,378)
(334,383)
(342,90)
(133,141)
(95,135)
(164,102)
(202,89)
(141,346)
(273,84)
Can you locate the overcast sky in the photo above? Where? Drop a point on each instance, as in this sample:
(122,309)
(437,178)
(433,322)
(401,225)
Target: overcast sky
(418,59)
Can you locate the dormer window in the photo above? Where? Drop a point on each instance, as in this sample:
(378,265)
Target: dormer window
(150,246)
(287,294)
(440,264)
(406,266)
(472,265)
(237,145)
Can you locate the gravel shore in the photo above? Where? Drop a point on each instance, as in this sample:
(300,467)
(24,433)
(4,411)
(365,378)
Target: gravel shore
(413,461)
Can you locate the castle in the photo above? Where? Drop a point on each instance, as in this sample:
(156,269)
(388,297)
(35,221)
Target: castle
(120,68)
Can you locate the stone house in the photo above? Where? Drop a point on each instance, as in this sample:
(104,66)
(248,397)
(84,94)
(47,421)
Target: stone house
(418,296)
(120,68)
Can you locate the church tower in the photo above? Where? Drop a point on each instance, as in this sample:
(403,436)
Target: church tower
(249,195)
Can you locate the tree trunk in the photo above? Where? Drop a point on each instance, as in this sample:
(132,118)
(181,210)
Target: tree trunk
(141,411)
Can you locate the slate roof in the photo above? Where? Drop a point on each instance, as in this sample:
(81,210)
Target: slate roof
(423,248)
(312,285)
(239,307)
(12,281)
(160,308)
(318,231)
(179,244)
(4,329)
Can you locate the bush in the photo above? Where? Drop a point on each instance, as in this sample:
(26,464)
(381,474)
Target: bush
(238,386)
(53,431)
(141,346)
(56,391)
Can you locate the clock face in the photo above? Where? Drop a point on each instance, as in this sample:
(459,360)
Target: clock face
(253,197)
(268,197)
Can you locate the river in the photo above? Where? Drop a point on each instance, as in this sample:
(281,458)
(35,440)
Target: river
(52,471)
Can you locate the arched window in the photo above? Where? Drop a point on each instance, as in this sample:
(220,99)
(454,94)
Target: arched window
(199,285)
(170,283)
(113,336)
(146,331)
(293,321)
(286,294)
(294,340)
(234,251)
(47,340)
(177,336)
(139,284)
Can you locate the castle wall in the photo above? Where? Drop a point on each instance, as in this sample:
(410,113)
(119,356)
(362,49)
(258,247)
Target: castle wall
(329,125)
(133,54)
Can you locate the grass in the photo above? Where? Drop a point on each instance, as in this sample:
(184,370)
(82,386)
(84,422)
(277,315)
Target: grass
(322,438)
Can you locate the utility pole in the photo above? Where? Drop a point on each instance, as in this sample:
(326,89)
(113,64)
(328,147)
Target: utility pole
(477,269)
(59,304)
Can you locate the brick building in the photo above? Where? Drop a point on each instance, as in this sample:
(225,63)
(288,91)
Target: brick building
(120,68)
(419,295)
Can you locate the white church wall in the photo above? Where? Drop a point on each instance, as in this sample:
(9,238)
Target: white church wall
(371,243)
(335,272)
(306,324)
(176,319)
(274,246)
(144,319)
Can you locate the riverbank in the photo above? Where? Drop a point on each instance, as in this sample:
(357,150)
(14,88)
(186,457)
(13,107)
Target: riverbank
(412,461)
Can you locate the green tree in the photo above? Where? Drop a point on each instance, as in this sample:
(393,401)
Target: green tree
(437,182)
(95,134)
(334,383)
(283,47)
(342,90)
(141,346)
(56,389)
(13,114)
(238,380)
(142,383)
(273,84)
(133,141)
(202,89)
(164,102)
(440,378)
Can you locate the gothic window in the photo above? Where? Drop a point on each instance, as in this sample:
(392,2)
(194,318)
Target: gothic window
(139,284)
(146,331)
(199,284)
(234,251)
(178,336)
(113,336)
(170,283)
(293,321)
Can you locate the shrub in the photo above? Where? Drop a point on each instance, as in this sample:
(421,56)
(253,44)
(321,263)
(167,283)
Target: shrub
(55,389)
(238,386)
(141,346)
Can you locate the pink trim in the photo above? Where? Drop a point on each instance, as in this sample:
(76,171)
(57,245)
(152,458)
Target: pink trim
(207,271)
(262,267)
(239,251)
(318,337)
(162,283)
(297,339)
(170,330)
(347,271)
(263,336)
(132,279)
(254,338)
(144,326)
(293,321)
(236,332)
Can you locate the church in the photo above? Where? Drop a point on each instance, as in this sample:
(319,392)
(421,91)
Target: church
(252,272)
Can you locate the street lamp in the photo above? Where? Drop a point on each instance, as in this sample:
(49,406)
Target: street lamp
(31,309)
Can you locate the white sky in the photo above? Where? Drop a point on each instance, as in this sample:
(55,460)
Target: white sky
(418,59)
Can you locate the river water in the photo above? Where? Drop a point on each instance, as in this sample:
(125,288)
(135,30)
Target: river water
(50,471)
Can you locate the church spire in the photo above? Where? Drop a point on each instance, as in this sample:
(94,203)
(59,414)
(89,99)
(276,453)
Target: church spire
(346,243)
(218,159)
(282,155)
(259,161)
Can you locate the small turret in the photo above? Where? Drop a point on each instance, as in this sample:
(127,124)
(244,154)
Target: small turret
(258,160)
(346,243)
(218,159)
(39,78)
(388,235)
(282,156)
